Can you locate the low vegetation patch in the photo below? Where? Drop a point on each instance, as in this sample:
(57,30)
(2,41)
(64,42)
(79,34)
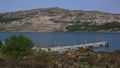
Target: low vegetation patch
(43,52)
(8,19)
(92,27)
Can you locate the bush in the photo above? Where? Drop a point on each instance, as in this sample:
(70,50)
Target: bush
(17,46)
(0,43)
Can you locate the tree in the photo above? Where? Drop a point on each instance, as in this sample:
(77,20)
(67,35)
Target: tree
(17,46)
(0,44)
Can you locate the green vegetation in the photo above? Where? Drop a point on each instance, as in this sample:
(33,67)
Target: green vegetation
(2,29)
(43,52)
(92,27)
(56,21)
(0,43)
(17,46)
(20,46)
(8,19)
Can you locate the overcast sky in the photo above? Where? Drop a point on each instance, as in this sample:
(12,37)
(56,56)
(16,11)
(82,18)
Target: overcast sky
(112,6)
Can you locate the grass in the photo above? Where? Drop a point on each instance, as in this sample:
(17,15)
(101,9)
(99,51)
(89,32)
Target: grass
(2,56)
(43,52)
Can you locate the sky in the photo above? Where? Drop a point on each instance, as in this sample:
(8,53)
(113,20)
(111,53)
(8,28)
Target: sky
(112,6)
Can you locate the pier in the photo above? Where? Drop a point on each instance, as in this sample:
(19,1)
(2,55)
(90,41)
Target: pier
(66,48)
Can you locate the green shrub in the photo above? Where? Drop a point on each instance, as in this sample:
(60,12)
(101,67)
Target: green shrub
(17,46)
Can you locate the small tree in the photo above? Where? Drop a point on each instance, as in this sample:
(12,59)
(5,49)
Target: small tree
(17,46)
(0,43)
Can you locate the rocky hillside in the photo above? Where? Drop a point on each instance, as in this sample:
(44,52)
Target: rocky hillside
(59,20)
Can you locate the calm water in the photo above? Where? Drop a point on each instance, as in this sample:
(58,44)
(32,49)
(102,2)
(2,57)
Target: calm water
(44,38)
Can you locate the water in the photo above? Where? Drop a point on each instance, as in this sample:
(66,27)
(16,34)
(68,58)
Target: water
(44,38)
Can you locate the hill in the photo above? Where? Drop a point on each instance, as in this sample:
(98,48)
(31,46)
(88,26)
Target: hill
(59,20)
